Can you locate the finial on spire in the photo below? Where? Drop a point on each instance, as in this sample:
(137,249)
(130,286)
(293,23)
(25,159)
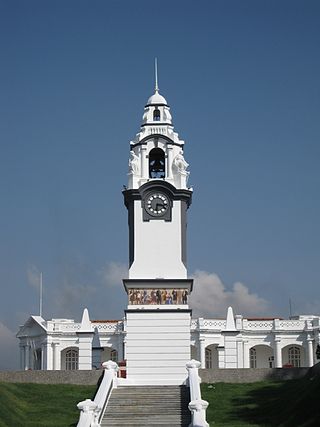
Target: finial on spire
(156,87)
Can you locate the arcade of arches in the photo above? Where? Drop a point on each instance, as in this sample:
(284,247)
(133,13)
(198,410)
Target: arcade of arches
(258,356)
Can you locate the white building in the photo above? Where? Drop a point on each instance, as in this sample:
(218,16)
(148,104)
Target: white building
(157,336)
(248,343)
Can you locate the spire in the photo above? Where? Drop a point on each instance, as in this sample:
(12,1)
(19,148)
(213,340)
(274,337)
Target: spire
(85,322)
(156,98)
(230,326)
(156,87)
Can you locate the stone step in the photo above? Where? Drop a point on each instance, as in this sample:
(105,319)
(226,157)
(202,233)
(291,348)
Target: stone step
(148,406)
(140,413)
(158,417)
(144,424)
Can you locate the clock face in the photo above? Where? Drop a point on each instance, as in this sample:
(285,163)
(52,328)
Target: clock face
(157,204)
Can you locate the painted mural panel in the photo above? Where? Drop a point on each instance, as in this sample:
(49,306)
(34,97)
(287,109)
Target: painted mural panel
(158,296)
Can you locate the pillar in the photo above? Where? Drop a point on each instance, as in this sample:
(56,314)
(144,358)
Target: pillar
(56,365)
(21,357)
(26,357)
(124,347)
(310,353)
(47,355)
(278,354)
(202,352)
(42,366)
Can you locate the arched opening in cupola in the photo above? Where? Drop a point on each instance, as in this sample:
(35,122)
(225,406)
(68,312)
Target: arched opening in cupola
(156,115)
(157,163)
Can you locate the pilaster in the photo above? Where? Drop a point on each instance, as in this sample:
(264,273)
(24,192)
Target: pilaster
(202,345)
(246,354)
(143,159)
(169,161)
(85,350)
(230,344)
(221,354)
(240,353)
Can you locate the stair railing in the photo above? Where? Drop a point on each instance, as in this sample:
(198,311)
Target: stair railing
(91,412)
(197,406)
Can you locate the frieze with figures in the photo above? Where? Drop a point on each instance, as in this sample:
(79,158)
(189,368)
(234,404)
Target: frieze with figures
(158,296)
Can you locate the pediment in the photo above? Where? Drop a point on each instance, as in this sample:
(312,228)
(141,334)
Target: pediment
(33,327)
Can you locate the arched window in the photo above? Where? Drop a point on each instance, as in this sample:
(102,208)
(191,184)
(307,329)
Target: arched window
(208,358)
(156,115)
(271,361)
(157,163)
(72,360)
(114,355)
(294,356)
(253,358)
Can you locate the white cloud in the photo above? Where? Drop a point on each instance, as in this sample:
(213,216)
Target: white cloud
(71,298)
(211,298)
(113,273)
(33,275)
(9,349)
(81,288)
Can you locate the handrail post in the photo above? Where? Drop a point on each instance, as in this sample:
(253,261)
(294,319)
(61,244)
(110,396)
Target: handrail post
(112,366)
(197,406)
(87,408)
(92,411)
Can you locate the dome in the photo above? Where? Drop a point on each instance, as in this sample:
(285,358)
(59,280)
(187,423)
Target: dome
(156,98)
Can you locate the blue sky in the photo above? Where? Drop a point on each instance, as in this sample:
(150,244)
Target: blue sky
(242,79)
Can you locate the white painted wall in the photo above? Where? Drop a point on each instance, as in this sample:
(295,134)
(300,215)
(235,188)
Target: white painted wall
(157,250)
(157,347)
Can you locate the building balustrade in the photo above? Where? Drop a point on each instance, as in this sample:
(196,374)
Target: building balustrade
(299,325)
(108,326)
(111,326)
(208,324)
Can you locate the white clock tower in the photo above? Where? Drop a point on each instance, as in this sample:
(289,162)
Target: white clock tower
(157,198)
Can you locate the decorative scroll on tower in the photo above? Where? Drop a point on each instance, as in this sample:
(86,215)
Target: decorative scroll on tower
(157,199)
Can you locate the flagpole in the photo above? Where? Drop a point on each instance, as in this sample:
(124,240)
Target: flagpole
(40,302)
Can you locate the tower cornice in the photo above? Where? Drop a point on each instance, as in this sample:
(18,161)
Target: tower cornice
(157,185)
(147,138)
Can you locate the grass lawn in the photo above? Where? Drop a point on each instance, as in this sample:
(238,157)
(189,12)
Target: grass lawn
(41,405)
(292,403)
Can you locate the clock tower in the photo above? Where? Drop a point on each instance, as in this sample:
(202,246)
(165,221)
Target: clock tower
(157,198)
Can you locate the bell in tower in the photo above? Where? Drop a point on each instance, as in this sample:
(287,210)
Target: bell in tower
(157,163)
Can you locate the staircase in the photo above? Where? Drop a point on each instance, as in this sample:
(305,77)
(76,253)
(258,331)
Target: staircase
(148,406)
